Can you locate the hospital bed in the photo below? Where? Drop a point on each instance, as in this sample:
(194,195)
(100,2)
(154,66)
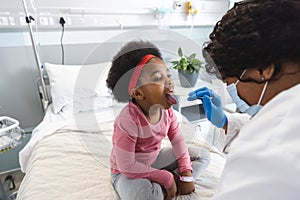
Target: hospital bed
(68,154)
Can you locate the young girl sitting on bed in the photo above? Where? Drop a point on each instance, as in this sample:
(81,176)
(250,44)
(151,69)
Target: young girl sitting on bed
(140,168)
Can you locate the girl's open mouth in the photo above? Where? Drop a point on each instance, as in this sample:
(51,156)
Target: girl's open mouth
(171,99)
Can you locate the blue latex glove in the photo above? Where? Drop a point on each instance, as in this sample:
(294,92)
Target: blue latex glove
(212,105)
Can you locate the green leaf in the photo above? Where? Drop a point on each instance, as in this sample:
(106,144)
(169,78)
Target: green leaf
(182,60)
(184,66)
(176,67)
(196,61)
(191,57)
(180,52)
(187,63)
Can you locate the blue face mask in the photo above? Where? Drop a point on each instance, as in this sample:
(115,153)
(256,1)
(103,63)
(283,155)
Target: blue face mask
(241,105)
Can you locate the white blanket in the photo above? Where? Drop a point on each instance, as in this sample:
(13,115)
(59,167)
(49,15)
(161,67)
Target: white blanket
(52,122)
(71,160)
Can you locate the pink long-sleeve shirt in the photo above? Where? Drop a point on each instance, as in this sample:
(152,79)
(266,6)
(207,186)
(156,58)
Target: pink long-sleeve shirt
(136,145)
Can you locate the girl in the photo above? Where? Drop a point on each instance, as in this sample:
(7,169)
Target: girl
(140,168)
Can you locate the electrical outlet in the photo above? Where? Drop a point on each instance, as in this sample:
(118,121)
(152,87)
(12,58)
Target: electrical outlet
(3,21)
(12,21)
(69,21)
(22,21)
(81,20)
(44,21)
(51,21)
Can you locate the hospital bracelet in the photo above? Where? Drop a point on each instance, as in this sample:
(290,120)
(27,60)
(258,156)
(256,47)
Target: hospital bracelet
(186,178)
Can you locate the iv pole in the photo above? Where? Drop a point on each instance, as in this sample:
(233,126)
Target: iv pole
(44,95)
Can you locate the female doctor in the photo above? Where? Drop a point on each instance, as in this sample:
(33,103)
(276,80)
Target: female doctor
(257,42)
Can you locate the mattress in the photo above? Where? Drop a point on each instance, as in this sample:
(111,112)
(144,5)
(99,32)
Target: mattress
(68,158)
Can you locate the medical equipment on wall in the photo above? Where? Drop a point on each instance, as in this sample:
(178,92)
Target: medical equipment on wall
(191,10)
(10,133)
(43,93)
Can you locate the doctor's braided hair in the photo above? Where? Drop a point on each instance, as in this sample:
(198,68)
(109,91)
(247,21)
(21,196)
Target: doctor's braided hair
(123,64)
(255,34)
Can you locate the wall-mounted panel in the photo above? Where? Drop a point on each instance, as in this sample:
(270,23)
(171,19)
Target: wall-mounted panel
(115,13)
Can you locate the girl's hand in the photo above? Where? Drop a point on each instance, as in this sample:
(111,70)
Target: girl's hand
(171,192)
(184,187)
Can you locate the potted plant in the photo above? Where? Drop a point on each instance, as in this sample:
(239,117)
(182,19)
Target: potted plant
(188,68)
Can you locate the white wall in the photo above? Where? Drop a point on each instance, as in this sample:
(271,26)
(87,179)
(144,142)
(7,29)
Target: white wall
(90,24)
(233,1)
(113,13)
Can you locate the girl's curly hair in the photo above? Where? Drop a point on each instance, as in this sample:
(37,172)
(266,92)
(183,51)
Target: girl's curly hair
(123,65)
(255,34)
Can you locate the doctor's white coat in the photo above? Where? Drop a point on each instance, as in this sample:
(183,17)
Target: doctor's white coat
(264,161)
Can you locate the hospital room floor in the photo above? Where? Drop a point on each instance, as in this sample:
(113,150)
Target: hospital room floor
(9,184)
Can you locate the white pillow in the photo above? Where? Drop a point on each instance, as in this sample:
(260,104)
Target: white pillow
(88,104)
(69,82)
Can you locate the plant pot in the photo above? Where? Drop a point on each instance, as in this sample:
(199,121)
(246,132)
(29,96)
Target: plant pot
(187,79)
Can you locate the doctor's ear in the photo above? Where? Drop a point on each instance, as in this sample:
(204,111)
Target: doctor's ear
(268,72)
(137,94)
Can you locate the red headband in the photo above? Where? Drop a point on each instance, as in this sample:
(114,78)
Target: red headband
(137,72)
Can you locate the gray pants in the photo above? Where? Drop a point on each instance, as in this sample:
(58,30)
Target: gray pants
(143,189)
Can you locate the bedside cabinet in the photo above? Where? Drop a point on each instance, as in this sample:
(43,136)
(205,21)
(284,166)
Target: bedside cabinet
(10,173)
(10,159)
(194,112)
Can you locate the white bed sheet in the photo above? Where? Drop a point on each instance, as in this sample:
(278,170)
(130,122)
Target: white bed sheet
(68,158)
(52,122)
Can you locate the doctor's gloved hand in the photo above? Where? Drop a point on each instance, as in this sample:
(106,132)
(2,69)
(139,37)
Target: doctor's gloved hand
(212,105)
